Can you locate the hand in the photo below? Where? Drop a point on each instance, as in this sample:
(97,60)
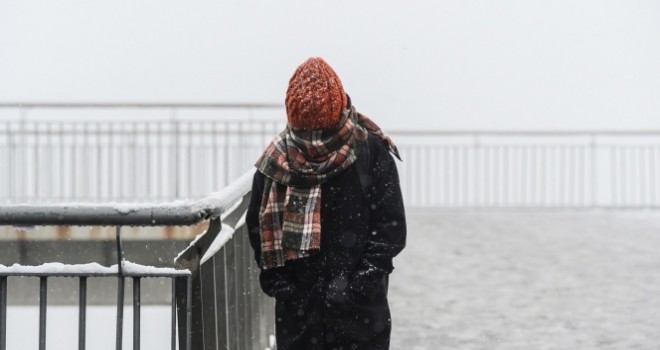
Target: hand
(283,290)
(277,283)
(368,285)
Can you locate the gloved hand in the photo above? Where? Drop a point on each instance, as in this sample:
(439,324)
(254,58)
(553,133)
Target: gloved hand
(367,283)
(277,283)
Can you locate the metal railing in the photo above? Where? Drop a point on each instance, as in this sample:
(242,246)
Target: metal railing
(105,152)
(229,285)
(226,315)
(102,157)
(530,169)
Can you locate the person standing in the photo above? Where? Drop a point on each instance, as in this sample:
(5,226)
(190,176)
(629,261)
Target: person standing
(326,218)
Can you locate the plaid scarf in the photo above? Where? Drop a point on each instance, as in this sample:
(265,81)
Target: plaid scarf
(296,163)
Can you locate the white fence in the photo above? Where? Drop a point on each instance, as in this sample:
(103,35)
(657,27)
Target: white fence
(156,152)
(128,152)
(560,169)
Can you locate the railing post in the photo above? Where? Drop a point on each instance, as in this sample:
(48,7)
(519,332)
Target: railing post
(173,321)
(189,291)
(120,292)
(177,157)
(136,313)
(593,164)
(23,152)
(3,313)
(43,301)
(476,142)
(82,313)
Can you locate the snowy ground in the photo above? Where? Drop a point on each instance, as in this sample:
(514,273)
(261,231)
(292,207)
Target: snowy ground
(525,280)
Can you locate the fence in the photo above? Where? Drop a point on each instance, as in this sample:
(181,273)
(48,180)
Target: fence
(531,169)
(190,154)
(228,290)
(127,152)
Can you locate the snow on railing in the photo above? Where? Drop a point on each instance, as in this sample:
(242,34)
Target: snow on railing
(215,270)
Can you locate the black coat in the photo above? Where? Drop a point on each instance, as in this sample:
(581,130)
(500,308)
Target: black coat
(337,298)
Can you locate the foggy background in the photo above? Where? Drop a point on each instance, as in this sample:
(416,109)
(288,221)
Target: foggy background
(523,64)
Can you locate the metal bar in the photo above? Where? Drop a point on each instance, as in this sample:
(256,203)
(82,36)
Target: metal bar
(496,176)
(173,322)
(3,313)
(82,313)
(190,162)
(99,154)
(120,253)
(23,152)
(75,166)
(133,170)
(11,149)
(111,160)
(43,301)
(613,183)
(177,155)
(623,174)
(215,302)
(189,292)
(486,177)
(652,175)
(642,186)
(544,183)
(507,177)
(136,313)
(102,215)
(36,169)
(476,170)
(523,175)
(121,166)
(120,292)
(227,143)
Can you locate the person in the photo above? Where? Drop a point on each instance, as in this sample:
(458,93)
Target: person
(326,218)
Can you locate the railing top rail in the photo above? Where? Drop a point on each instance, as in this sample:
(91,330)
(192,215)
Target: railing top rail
(178,213)
(156,105)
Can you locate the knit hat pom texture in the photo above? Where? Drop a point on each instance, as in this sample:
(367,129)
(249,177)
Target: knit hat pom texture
(315,97)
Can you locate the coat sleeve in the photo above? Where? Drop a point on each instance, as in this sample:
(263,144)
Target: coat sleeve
(387,224)
(275,282)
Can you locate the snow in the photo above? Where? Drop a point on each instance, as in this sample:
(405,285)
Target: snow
(214,205)
(122,208)
(59,268)
(126,208)
(220,202)
(528,280)
(223,202)
(146,270)
(226,233)
(56,268)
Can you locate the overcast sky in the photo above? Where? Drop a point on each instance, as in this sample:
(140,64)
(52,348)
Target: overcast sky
(527,64)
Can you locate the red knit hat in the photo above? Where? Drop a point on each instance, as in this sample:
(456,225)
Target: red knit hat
(315,97)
